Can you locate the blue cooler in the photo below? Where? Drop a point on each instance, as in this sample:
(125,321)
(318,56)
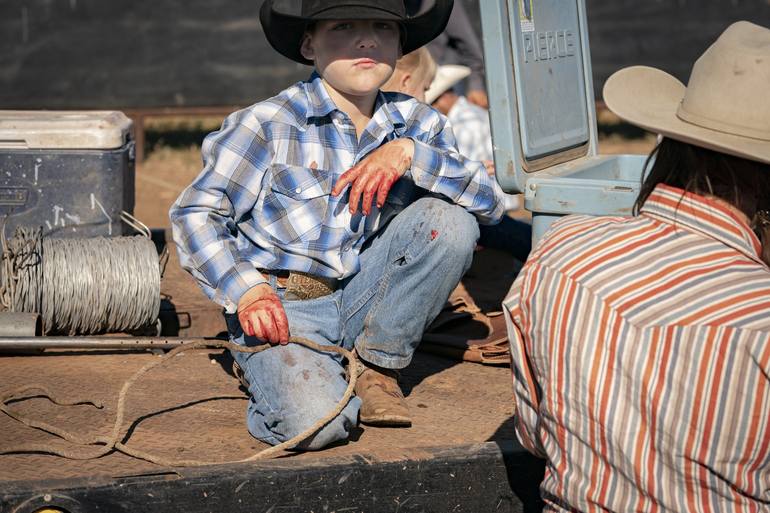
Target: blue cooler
(543,115)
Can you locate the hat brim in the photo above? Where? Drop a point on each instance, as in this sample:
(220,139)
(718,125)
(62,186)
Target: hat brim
(446,77)
(650,98)
(284,31)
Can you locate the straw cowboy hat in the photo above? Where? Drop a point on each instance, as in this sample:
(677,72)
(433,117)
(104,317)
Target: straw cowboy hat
(446,77)
(284,30)
(725,107)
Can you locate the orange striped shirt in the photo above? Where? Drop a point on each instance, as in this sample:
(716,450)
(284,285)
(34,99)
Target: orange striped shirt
(641,360)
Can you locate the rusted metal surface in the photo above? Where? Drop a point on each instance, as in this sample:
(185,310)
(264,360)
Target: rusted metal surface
(452,404)
(114,343)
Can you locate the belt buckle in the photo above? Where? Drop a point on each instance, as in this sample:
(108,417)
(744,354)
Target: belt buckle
(304,286)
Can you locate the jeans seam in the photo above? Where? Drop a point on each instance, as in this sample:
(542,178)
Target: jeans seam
(377,300)
(385,280)
(352,309)
(253,383)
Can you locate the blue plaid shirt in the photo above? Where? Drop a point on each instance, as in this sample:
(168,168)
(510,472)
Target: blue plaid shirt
(263,198)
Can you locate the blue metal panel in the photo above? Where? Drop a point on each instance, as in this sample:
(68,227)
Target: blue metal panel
(602,185)
(548,66)
(543,116)
(539,83)
(541,223)
(501,89)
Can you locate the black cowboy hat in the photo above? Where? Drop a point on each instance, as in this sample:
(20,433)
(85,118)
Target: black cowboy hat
(284,31)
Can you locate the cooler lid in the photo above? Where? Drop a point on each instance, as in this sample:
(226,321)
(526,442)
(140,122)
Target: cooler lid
(539,84)
(92,130)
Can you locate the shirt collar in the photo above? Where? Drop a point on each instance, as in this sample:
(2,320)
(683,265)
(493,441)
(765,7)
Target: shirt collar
(320,104)
(390,111)
(703,215)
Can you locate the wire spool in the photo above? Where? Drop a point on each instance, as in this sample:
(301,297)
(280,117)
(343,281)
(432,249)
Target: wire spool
(82,286)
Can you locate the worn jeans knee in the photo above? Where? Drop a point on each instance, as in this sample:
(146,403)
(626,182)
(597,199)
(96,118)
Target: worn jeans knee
(292,387)
(454,230)
(304,387)
(407,273)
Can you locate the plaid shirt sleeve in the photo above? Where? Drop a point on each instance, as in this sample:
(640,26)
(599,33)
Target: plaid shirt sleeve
(203,217)
(438,167)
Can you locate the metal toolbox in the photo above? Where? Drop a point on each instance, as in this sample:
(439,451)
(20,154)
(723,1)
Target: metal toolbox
(70,172)
(543,113)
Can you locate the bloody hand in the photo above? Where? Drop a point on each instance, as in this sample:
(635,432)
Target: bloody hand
(261,315)
(376,174)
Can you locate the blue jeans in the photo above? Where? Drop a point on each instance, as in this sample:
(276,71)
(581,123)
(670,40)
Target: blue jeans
(510,235)
(408,270)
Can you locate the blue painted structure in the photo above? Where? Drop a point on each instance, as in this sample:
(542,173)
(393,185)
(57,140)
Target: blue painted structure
(540,86)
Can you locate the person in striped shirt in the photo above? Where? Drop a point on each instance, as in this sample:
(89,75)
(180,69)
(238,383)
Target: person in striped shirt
(641,345)
(333,212)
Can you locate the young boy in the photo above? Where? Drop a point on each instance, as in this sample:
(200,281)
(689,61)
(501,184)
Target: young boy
(413,75)
(273,232)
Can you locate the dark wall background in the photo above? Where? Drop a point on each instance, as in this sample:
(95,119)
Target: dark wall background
(195,53)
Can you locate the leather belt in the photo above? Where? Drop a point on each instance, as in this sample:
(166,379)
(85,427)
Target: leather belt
(303,286)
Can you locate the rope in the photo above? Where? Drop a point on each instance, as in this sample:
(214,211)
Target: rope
(81,286)
(98,446)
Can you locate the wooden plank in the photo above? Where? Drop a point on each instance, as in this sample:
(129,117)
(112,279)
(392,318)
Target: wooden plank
(499,477)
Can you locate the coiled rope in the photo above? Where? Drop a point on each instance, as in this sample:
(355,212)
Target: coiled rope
(87,448)
(81,286)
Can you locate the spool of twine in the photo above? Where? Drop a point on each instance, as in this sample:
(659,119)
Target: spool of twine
(82,286)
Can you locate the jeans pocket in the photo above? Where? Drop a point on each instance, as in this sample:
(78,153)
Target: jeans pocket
(295,205)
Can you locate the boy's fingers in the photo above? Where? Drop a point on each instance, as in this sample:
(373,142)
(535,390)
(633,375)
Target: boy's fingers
(255,330)
(272,328)
(248,330)
(258,327)
(268,322)
(356,190)
(245,321)
(384,189)
(370,189)
(266,327)
(347,177)
(282,325)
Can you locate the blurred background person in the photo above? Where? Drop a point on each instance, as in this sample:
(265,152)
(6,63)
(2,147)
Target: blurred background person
(469,121)
(458,44)
(413,75)
(470,124)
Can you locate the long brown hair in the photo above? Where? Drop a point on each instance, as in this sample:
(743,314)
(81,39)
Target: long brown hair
(743,183)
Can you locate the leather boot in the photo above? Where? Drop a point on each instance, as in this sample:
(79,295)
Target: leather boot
(382,401)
